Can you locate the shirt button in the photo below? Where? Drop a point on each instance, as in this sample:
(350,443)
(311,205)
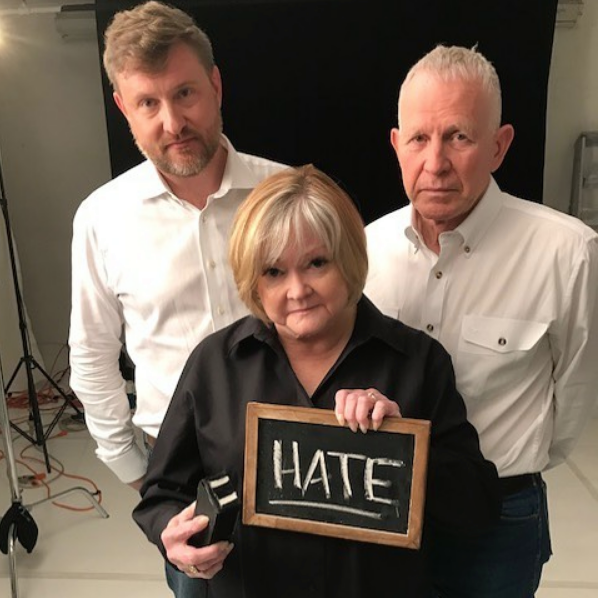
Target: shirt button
(204,218)
(502,341)
(429,327)
(212,264)
(220,310)
(439,275)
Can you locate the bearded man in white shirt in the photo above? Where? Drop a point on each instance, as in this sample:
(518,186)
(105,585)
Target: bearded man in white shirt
(149,247)
(509,287)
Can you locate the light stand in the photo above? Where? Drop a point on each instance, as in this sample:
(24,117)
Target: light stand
(17,523)
(28,361)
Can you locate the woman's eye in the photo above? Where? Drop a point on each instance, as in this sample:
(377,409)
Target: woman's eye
(272,272)
(319,262)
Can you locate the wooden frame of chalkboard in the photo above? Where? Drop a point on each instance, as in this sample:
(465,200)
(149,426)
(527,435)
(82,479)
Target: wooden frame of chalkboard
(305,472)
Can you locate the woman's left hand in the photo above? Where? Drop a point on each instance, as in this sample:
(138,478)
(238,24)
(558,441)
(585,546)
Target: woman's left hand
(357,407)
(202,562)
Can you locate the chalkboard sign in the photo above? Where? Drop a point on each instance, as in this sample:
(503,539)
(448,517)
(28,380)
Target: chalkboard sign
(305,472)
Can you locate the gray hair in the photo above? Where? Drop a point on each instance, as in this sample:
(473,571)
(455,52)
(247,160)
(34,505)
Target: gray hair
(451,63)
(141,38)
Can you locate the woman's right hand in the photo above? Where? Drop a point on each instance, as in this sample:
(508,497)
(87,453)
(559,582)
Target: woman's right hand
(201,563)
(359,408)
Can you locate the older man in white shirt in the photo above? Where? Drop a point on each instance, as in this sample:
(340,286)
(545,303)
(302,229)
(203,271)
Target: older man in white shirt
(509,287)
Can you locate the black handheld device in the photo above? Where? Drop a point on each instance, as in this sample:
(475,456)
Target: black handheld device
(217,499)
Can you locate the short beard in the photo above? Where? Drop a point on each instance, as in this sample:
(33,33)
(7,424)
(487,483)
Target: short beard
(192,163)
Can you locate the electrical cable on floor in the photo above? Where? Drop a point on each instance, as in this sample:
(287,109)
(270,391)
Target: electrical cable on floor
(37,479)
(62,473)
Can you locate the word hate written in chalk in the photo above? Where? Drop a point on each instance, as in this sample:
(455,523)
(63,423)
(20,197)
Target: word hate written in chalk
(319,473)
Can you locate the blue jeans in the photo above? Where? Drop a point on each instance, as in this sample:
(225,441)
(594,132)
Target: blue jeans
(183,586)
(505,562)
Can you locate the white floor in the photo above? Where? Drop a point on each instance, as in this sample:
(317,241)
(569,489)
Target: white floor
(80,554)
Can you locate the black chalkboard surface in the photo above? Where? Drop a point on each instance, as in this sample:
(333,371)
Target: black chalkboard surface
(305,472)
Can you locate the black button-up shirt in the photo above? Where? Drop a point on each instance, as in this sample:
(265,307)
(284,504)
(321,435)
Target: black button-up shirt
(204,433)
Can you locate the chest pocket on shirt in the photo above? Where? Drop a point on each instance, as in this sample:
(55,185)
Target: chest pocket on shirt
(494,352)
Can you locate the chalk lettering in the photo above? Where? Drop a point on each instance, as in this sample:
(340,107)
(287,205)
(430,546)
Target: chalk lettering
(279,471)
(344,466)
(369,481)
(327,507)
(317,461)
(317,473)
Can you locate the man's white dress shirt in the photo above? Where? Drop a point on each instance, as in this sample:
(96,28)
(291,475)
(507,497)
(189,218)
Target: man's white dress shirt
(155,267)
(513,297)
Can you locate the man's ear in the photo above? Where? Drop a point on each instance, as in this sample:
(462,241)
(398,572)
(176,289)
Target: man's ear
(502,140)
(119,102)
(216,80)
(394,139)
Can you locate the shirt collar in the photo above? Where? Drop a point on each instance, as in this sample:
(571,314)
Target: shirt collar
(237,175)
(474,227)
(148,182)
(370,324)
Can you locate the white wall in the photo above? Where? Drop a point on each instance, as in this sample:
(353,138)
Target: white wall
(55,151)
(572,101)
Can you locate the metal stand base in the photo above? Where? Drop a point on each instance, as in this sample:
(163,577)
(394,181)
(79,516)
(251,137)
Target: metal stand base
(14,531)
(17,523)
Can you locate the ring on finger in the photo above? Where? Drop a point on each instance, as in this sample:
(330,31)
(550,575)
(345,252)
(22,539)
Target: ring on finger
(192,569)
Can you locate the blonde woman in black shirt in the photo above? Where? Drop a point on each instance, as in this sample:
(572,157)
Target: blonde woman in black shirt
(298,254)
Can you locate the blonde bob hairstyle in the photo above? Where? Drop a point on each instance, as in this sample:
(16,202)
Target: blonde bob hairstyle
(287,208)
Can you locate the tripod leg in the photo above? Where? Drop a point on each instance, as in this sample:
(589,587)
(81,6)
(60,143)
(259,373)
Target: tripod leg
(32,363)
(38,437)
(12,561)
(55,386)
(14,375)
(37,419)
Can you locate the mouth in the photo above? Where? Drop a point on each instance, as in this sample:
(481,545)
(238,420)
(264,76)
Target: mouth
(302,310)
(181,143)
(437,190)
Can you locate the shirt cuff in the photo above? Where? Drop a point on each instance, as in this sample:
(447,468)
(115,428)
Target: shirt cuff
(129,467)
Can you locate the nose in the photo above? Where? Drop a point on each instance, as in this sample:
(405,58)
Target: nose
(436,158)
(173,119)
(299,287)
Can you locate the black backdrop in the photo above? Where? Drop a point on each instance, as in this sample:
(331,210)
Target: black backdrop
(317,81)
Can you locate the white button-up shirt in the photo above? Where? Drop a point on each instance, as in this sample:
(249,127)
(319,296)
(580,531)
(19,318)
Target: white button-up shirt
(513,297)
(154,266)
